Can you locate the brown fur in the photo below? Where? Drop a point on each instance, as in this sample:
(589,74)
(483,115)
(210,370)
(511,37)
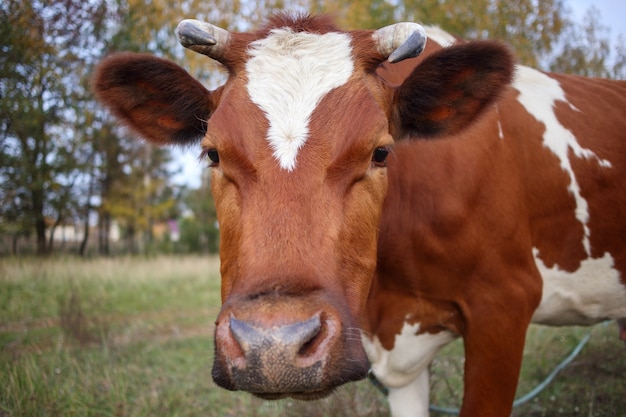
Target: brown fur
(142,89)
(444,234)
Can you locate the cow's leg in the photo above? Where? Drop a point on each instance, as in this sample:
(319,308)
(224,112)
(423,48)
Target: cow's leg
(412,399)
(494,339)
(492,364)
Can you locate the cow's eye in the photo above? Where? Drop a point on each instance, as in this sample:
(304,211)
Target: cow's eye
(379,156)
(212,155)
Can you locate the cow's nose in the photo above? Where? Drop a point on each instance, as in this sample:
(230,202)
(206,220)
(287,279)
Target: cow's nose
(278,359)
(291,341)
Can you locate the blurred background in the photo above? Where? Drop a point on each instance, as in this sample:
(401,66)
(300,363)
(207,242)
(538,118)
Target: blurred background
(74,181)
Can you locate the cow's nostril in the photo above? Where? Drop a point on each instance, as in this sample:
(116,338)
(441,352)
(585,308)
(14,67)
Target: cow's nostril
(246,335)
(294,342)
(310,346)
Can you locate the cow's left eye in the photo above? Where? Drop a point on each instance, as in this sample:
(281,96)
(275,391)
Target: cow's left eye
(379,156)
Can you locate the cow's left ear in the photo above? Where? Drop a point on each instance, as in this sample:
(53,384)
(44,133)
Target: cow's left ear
(156,98)
(445,93)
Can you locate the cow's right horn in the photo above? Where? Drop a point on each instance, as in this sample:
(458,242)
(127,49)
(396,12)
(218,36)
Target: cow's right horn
(203,38)
(400,41)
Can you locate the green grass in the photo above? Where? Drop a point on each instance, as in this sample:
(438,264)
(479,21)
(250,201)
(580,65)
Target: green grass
(593,385)
(125,337)
(133,337)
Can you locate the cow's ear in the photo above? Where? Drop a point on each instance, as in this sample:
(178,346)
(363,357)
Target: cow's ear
(156,98)
(451,88)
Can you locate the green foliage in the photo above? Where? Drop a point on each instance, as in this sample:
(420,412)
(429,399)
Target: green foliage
(196,237)
(541,33)
(586,50)
(199,231)
(41,90)
(140,196)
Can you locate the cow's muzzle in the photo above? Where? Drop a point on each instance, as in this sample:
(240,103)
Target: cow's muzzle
(304,359)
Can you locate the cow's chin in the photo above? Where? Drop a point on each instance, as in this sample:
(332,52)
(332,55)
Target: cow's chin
(308,390)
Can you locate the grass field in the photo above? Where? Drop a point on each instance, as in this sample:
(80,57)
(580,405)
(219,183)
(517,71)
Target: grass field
(133,337)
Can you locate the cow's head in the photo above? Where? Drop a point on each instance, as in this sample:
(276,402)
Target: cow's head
(298,140)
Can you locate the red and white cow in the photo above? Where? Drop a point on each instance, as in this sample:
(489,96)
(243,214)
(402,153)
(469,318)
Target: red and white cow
(571,155)
(367,212)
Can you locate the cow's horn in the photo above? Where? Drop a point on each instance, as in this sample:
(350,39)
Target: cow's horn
(400,41)
(203,38)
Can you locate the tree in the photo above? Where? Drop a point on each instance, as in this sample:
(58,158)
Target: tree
(619,65)
(531,27)
(142,195)
(45,46)
(199,231)
(586,50)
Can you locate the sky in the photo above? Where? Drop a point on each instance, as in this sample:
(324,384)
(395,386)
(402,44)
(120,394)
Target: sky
(612,15)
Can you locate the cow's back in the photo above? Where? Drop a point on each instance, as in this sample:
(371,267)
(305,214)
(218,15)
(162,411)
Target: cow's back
(573,131)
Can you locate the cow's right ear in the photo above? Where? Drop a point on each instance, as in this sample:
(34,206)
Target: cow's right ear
(156,98)
(451,88)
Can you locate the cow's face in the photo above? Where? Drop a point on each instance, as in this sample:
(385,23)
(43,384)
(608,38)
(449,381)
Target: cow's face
(298,141)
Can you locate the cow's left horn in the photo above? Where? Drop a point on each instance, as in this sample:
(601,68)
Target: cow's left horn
(400,41)
(203,38)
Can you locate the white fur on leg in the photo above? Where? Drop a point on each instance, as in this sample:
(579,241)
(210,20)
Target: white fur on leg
(411,400)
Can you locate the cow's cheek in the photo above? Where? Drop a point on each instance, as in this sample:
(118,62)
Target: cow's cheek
(359,237)
(228,208)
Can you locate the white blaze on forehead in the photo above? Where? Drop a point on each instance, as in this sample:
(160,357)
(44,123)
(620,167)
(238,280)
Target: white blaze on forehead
(288,74)
(538,93)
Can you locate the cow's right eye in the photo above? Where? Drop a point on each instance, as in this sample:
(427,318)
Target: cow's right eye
(212,156)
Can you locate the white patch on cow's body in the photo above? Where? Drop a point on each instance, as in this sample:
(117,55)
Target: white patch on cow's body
(410,355)
(288,74)
(441,37)
(404,369)
(591,294)
(538,93)
(500,131)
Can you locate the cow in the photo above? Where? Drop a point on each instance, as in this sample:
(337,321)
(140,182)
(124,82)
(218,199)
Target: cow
(581,286)
(375,203)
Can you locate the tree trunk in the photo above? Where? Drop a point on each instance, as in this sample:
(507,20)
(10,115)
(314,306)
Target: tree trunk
(16,236)
(130,239)
(40,228)
(103,233)
(53,229)
(40,221)
(83,243)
